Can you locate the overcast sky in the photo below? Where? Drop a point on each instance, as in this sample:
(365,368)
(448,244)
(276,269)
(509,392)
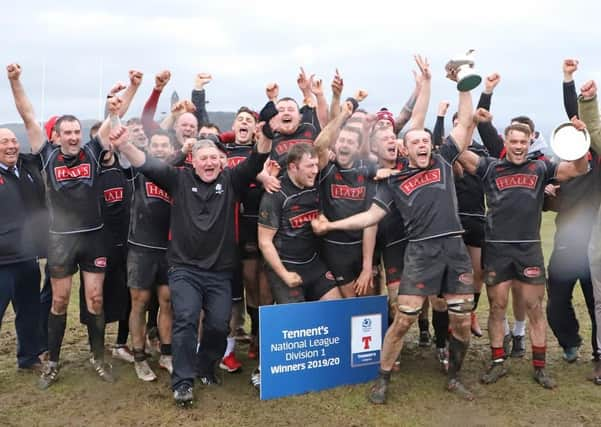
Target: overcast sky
(88,46)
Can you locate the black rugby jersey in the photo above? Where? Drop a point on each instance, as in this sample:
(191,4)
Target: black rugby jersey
(345,192)
(281,143)
(73,188)
(514,196)
(251,197)
(291,211)
(116,201)
(470,193)
(150,214)
(425,197)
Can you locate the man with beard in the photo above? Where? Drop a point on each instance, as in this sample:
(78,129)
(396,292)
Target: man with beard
(436,261)
(512,255)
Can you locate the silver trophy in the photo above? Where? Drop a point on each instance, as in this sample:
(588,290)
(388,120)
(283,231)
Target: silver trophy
(463,68)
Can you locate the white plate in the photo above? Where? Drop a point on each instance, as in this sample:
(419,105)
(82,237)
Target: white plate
(569,143)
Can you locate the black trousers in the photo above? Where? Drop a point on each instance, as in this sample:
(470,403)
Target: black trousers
(20,284)
(193,290)
(566,267)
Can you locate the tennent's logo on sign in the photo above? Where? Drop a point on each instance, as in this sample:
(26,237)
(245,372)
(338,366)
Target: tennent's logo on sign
(366,340)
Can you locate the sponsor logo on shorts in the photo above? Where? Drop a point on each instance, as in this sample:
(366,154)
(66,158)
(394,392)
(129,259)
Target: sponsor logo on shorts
(284,146)
(232,162)
(419,180)
(64,173)
(391,270)
(300,220)
(100,262)
(532,272)
(113,195)
(518,180)
(346,192)
(466,278)
(329,275)
(153,191)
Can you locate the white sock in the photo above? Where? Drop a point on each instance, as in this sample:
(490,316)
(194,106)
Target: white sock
(231,344)
(506,326)
(519,328)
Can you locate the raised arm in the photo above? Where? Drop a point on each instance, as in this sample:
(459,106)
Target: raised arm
(568,170)
(570,97)
(304,84)
(329,134)
(418,117)
(488,133)
(438,132)
(463,132)
(405,114)
(322,103)
(179,108)
(199,98)
(160,81)
(337,86)
(468,159)
(135,80)
(35,133)
(588,111)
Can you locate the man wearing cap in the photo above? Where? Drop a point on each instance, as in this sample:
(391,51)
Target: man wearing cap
(23,225)
(200,275)
(512,253)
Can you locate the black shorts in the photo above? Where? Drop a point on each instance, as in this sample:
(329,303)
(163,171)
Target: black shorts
(474,230)
(437,267)
(67,252)
(317,281)
(394,261)
(508,261)
(344,261)
(247,237)
(146,268)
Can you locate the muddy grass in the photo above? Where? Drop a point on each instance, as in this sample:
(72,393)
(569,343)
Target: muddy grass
(417,396)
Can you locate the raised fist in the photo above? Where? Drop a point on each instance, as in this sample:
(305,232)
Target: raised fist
(201,80)
(443,107)
(272,91)
(14,71)
(135,77)
(360,95)
(317,87)
(114,104)
(117,87)
(491,82)
(161,79)
(589,90)
(337,84)
(570,66)
(482,115)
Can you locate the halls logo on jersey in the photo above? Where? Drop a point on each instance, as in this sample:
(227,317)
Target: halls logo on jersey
(300,220)
(64,173)
(346,192)
(112,195)
(284,146)
(517,180)
(232,162)
(419,180)
(153,191)
(366,339)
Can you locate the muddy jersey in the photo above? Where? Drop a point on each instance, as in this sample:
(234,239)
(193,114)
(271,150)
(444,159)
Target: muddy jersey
(425,197)
(73,188)
(149,215)
(470,193)
(346,192)
(116,192)
(290,212)
(281,143)
(251,198)
(514,196)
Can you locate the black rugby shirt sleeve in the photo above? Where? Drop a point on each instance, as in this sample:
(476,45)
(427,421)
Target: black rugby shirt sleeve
(483,166)
(384,197)
(160,173)
(570,99)
(44,154)
(270,210)
(449,150)
(550,170)
(246,171)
